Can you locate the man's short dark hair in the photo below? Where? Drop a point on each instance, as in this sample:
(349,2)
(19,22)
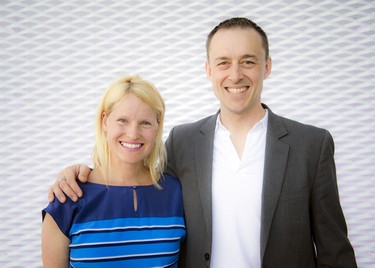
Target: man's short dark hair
(239,23)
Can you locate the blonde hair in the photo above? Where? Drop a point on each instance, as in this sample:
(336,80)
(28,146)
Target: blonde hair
(113,95)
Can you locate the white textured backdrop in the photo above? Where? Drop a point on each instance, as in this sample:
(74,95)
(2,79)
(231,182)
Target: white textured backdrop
(57,57)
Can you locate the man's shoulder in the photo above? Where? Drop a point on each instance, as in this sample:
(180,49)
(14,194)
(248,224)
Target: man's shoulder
(294,124)
(299,130)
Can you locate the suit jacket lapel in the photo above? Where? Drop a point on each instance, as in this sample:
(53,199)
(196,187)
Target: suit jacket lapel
(203,162)
(276,156)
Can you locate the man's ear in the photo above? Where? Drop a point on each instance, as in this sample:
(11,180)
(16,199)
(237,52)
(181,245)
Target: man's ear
(268,68)
(208,69)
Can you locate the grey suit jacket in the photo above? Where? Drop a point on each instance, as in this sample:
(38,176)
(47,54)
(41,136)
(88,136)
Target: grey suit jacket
(302,223)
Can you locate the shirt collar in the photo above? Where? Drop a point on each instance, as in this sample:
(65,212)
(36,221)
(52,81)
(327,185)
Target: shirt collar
(263,123)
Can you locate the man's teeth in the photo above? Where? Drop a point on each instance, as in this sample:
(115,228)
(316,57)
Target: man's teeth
(236,89)
(131,145)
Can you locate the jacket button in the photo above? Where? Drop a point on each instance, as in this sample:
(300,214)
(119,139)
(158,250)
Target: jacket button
(207,256)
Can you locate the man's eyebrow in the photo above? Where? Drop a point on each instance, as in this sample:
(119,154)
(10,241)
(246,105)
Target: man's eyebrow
(221,58)
(251,56)
(246,56)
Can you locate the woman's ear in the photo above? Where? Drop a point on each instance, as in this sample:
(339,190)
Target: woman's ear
(104,122)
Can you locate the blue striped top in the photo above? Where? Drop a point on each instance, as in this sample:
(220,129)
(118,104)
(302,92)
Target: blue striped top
(106,231)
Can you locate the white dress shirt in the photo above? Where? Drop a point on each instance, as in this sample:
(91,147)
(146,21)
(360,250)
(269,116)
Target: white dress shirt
(236,198)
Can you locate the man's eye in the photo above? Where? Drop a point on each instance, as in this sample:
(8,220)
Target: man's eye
(222,63)
(248,63)
(121,120)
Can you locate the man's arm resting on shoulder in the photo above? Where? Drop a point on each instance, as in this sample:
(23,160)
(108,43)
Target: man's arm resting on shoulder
(66,183)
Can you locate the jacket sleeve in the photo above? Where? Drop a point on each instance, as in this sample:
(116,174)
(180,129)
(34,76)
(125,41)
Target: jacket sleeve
(328,223)
(171,165)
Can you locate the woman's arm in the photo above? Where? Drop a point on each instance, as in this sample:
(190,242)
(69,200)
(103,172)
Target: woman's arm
(55,245)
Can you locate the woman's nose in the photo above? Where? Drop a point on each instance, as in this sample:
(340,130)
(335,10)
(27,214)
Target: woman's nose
(132,131)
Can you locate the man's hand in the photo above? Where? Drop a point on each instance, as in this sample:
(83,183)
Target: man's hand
(66,184)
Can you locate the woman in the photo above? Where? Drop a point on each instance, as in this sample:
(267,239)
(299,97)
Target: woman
(131,214)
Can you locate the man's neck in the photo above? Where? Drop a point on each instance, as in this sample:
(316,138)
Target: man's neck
(239,126)
(238,123)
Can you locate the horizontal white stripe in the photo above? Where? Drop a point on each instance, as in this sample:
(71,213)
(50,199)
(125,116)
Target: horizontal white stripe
(144,241)
(129,227)
(125,256)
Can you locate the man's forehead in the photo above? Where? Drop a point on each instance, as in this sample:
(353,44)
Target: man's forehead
(244,42)
(236,36)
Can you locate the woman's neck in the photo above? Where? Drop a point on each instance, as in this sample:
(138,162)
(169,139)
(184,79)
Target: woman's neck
(129,175)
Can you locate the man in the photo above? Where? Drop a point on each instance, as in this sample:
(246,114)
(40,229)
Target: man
(259,190)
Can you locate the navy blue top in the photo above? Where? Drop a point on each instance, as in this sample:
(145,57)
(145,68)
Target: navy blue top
(106,231)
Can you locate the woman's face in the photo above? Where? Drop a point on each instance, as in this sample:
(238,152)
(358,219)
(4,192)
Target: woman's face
(131,129)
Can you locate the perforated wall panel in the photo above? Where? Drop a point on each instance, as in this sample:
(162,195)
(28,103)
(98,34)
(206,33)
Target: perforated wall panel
(57,57)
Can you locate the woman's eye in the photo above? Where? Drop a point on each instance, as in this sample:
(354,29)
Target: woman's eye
(121,120)
(145,123)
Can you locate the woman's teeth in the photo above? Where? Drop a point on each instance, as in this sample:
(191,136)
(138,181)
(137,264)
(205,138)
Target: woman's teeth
(131,145)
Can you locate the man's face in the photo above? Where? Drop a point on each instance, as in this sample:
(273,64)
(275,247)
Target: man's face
(237,68)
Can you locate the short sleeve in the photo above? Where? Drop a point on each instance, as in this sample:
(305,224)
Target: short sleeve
(62,213)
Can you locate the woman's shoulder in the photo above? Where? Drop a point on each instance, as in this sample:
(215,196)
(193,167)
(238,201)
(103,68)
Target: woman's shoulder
(169,179)
(170,183)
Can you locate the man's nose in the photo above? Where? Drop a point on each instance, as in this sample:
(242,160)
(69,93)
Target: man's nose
(235,74)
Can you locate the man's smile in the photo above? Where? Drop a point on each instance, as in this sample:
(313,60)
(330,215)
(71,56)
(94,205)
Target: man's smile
(236,90)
